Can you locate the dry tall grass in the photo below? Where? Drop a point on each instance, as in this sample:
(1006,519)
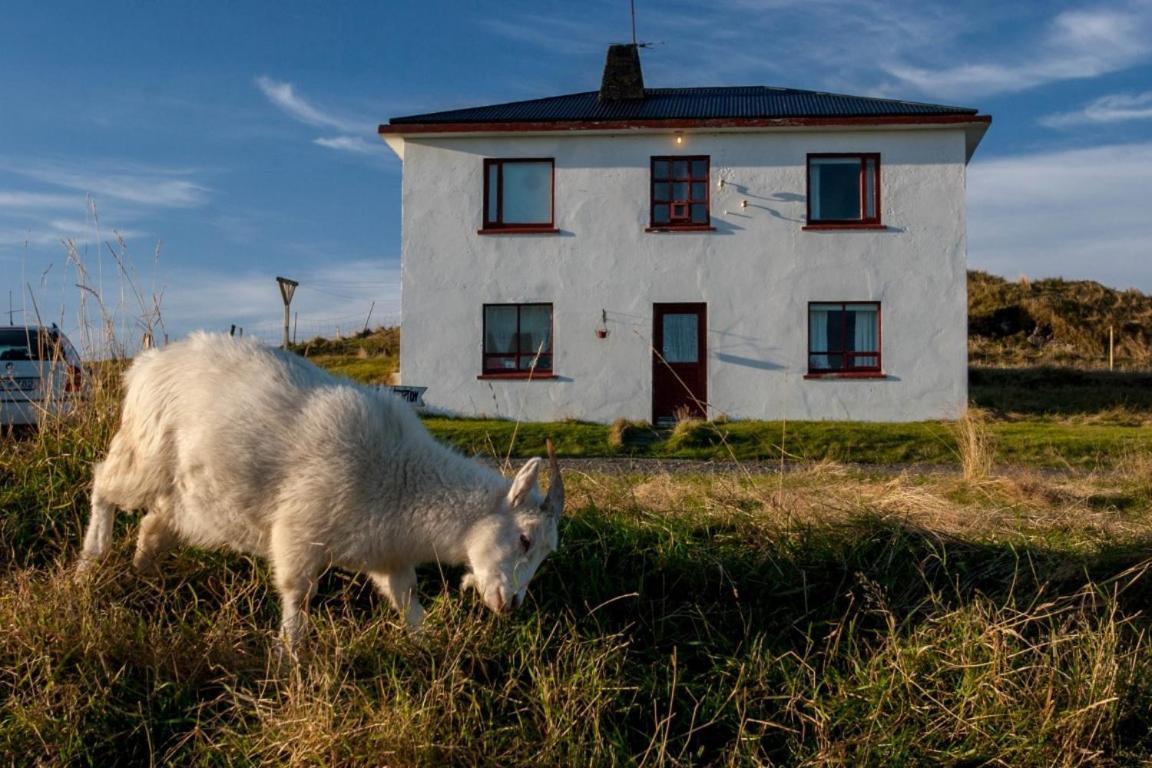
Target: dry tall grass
(826,617)
(974,445)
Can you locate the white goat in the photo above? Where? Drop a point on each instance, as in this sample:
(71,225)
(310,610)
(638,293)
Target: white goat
(227,443)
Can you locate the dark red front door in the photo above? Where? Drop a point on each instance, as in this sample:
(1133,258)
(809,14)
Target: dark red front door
(679,361)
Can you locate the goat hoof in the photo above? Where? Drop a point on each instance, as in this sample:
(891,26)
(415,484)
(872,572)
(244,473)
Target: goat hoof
(85,568)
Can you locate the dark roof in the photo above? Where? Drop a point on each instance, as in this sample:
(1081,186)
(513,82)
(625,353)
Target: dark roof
(746,102)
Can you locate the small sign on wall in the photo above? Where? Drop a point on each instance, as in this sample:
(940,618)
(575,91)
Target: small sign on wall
(413,395)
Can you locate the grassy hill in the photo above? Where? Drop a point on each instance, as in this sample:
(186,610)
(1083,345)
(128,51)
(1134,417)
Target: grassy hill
(371,357)
(1055,322)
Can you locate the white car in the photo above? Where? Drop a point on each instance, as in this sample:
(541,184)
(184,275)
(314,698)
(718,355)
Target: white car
(40,374)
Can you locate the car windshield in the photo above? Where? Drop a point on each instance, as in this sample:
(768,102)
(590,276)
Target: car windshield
(28,344)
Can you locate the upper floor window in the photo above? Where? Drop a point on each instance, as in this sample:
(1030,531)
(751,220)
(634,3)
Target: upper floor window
(518,339)
(680,192)
(844,189)
(844,337)
(518,193)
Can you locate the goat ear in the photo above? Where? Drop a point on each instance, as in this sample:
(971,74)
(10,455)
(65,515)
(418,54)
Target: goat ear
(524,483)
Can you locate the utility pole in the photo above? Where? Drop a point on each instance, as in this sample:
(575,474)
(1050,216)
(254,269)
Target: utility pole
(369,318)
(1111,346)
(287,288)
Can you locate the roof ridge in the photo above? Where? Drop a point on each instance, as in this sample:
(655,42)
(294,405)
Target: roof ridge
(728,101)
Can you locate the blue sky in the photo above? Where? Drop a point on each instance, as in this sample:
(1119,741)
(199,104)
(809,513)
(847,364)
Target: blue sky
(210,146)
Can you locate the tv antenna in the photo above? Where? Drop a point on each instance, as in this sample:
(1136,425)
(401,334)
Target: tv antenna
(635,43)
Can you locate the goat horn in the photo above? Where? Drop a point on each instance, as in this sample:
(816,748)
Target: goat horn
(556,489)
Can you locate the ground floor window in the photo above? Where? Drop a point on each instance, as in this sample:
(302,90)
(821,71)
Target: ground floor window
(517,338)
(843,337)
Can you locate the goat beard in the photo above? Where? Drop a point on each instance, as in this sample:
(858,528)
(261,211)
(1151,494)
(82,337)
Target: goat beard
(468,582)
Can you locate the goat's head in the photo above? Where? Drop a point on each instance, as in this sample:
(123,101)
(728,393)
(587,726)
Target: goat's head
(506,554)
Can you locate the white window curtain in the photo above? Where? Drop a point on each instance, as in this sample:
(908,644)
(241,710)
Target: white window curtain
(500,330)
(818,334)
(865,337)
(535,330)
(527,193)
(681,338)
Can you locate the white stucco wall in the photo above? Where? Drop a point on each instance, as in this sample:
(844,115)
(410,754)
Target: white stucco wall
(756,272)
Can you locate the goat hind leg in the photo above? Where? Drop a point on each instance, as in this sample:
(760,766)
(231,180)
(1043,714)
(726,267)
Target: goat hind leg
(111,485)
(155,538)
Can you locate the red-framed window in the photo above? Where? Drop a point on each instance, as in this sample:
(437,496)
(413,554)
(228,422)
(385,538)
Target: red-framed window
(844,189)
(519,193)
(844,337)
(518,339)
(680,192)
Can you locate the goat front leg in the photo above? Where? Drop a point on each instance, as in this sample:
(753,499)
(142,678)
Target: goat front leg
(296,569)
(296,589)
(98,538)
(400,589)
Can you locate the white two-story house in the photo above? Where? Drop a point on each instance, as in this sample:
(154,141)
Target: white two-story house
(754,252)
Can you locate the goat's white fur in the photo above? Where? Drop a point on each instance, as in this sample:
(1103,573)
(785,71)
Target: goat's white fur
(227,443)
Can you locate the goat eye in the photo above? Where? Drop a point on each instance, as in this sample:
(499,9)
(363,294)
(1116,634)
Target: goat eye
(525,541)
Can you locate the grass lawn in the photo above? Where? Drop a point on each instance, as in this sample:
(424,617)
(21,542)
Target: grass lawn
(1033,442)
(1033,417)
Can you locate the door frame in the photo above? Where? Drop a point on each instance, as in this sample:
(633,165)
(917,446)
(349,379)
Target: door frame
(699,395)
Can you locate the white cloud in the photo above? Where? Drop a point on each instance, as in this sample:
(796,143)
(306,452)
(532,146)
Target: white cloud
(1076,45)
(116,197)
(353,144)
(150,187)
(1077,213)
(55,232)
(284,96)
(1113,108)
(16,200)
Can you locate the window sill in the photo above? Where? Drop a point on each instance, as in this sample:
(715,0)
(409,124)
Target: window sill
(518,375)
(518,231)
(686,228)
(823,227)
(845,375)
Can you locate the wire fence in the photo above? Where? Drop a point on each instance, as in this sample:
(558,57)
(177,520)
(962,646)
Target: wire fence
(304,328)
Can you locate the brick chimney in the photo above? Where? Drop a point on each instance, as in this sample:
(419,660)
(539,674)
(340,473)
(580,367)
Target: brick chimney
(623,79)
